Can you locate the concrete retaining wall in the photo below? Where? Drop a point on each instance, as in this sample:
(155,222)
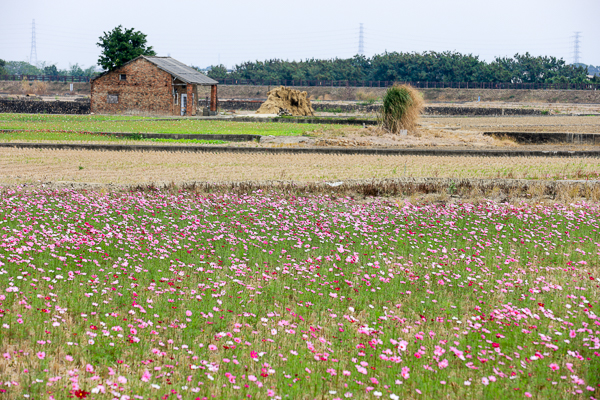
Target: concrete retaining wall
(83,107)
(252,105)
(44,107)
(438,95)
(549,137)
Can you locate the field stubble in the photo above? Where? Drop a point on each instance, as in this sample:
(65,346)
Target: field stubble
(129,167)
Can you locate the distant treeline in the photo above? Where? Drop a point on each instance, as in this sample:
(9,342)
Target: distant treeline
(413,67)
(24,68)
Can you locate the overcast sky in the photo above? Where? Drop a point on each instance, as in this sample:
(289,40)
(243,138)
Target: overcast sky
(203,33)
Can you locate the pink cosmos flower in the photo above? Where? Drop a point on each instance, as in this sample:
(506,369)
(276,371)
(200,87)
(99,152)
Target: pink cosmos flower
(554,366)
(253,355)
(146,376)
(212,347)
(402,345)
(570,367)
(405,372)
(572,333)
(89,368)
(188,313)
(41,355)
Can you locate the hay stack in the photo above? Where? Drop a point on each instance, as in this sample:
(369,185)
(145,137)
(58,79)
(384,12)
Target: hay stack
(284,98)
(402,107)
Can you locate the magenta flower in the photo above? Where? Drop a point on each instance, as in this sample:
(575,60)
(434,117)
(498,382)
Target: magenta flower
(146,376)
(405,372)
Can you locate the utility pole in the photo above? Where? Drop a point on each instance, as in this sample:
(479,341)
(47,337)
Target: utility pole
(33,53)
(576,50)
(361,41)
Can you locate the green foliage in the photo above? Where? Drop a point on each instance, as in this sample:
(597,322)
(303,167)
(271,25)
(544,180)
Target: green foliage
(120,46)
(2,70)
(217,72)
(21,68)
(414,67)
(50,70)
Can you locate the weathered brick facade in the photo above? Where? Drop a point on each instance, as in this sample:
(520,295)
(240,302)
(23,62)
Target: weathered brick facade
(145,90)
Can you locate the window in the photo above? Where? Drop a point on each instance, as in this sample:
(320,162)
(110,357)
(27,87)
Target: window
(112,98)
(176,98)
(122,77)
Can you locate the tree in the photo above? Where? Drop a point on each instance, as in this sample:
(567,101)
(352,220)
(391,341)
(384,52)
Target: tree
(2,70)
(21,68)
(120,46)
(50,70)
(217,72)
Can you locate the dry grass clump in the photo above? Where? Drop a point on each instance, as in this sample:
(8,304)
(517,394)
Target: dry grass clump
(402,107)
(40,87)
(366,96)
(25,86)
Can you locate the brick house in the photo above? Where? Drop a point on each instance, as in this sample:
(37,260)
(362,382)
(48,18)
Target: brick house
(150,85)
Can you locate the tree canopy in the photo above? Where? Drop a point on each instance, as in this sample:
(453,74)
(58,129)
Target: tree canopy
(217,72)
(24,68)
(413,67)
(2,70)
(120,46)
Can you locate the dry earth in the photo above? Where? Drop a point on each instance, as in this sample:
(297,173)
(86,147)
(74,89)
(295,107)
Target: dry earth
(31,166)
(443,132)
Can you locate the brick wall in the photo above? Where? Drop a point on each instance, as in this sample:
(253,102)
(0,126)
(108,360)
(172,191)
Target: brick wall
(146,90)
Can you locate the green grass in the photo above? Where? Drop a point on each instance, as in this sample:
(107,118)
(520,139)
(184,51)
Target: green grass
(90,137)
(95,123)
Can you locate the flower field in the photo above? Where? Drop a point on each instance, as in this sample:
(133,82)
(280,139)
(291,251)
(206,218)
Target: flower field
(159,295)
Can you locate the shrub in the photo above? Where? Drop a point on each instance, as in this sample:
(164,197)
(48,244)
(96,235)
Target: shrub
(25,86)
(402,106)
(40,87)
(367,97)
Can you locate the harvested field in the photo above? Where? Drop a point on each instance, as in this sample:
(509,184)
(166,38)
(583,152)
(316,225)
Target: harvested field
(30,166)
(570,124)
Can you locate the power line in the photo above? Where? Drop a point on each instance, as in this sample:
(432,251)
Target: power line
(33,52)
